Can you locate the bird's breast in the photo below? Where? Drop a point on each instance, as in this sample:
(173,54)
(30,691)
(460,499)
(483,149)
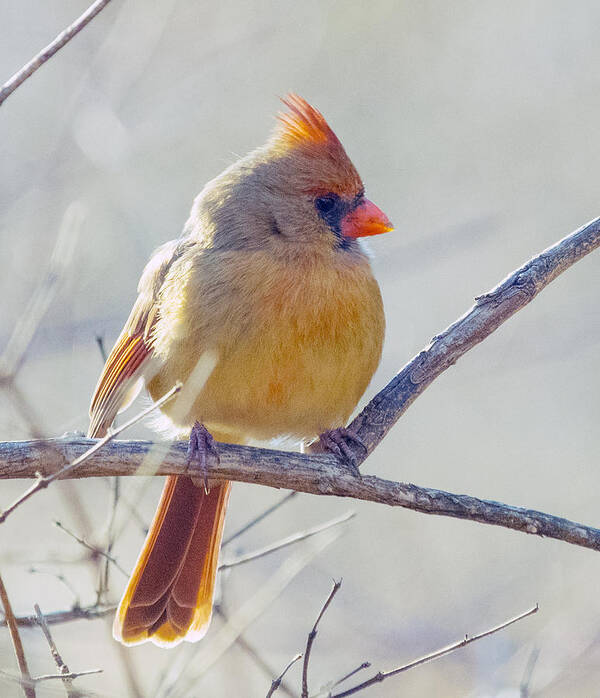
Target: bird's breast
(297,344)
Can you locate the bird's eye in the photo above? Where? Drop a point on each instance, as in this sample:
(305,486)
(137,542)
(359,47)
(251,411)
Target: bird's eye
(326,204)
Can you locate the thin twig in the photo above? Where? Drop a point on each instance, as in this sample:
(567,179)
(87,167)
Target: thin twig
(65,673)
(109,437)
(48,677)
(13,629)
(312,635)
(68,492)
(92,612)
(43,481)
(239,620)
(233,562)
(103,580)
(62,579)
(284,542)
(92,548)
(70,676)
(382,675)
(97,610)
(38,60)
(349,675)
(257,519)
(277,682)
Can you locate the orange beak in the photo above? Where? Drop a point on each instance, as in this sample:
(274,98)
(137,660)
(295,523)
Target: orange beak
(365,219)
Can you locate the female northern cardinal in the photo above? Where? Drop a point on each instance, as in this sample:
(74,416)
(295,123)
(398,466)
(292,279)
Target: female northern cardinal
(267,310)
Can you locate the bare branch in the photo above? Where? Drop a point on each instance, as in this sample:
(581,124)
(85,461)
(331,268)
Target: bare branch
(62,579)
(104,573)
(92,548)
(490,311)
(284,542)
(257,519)
(13,629)
(49,677)
(62,667)
(313,634)
(38,60)
(277,682)
(70,676)
(44,480)
(98,610)
(361,667)
(382,675)
(76,613)
(65,674)
(243,617)
(315,474)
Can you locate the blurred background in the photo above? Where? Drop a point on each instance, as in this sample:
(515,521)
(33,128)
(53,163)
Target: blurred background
(475,127)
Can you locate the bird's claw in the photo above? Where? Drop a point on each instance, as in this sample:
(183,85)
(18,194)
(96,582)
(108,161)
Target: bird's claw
(201,448)
(337,441)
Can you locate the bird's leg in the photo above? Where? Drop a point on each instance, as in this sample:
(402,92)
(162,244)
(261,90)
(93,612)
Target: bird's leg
(337,441)
(200,449)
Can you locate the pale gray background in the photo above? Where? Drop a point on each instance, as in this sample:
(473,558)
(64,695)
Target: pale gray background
(475,127)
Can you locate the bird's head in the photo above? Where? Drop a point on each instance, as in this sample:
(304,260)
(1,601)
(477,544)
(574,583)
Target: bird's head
(300,189)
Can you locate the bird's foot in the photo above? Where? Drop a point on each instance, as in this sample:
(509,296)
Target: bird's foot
(201,449)
(339,441)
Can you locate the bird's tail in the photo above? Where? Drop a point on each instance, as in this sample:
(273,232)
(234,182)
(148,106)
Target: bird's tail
(169,595)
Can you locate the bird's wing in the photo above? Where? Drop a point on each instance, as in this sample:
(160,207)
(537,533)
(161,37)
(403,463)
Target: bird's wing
(130,358)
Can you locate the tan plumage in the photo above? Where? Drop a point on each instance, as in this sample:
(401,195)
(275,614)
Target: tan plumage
(272,287)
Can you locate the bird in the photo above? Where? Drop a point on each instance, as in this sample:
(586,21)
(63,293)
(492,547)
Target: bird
(266,309)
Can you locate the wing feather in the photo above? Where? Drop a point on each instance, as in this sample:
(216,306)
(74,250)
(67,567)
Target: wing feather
(131,358)
(118,381)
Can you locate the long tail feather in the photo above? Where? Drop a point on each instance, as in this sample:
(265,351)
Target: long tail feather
(169,595)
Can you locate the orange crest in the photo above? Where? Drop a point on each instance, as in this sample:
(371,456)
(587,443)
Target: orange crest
(304,124)
(303,132)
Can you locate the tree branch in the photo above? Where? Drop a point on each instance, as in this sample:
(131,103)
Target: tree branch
(96,552)
(46,53)
(42,481)
(64,673)
(76,613)
(490,311)
(382,675)
(313,634)
(321,473)
(277,682)
(284,542)
(315,474)
(13,629)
